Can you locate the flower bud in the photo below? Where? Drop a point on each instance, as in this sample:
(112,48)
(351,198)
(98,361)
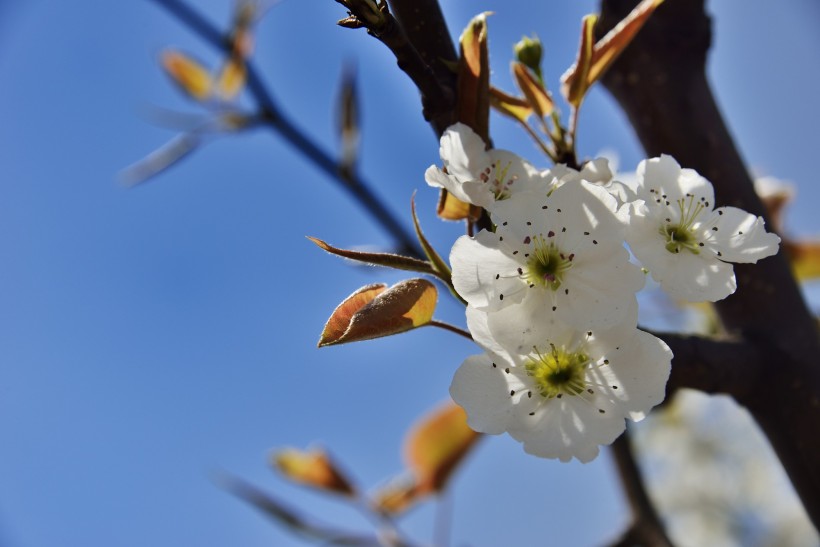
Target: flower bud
(528,51)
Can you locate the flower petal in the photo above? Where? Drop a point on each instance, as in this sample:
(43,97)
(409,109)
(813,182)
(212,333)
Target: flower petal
(741,236)
(482,389)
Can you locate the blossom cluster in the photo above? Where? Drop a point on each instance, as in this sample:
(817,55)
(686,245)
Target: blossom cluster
(551,288)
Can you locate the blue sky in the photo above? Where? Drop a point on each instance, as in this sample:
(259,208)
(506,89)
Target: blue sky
(153,337)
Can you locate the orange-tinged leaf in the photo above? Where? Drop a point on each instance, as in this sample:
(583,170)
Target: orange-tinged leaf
(436,446)
(509,105)
(340,318)
(537,97)
(805,258)
(231,78)
(312,468)
(473,88)
(610,46)
(589,68)
(373,312)
(187,73)
(388,260)
(574,84)
(397,496)
(451,208)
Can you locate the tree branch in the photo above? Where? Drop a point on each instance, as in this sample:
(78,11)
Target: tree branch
(731,367)
(660,82)
(274,118)
(437,98)
(646,528)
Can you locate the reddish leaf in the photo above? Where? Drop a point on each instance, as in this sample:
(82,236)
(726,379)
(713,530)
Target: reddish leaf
(312,468)
(372,312)
(537,97)
(437,444)
(473,93)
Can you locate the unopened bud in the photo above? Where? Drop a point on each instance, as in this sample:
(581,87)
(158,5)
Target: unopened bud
(528,51)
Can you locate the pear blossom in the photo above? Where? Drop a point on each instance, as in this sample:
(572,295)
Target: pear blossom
(561,253)
(476,175)
(596,171)
(565,395)
(685,244)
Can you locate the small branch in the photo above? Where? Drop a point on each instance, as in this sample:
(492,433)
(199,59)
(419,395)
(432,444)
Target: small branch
(451,328)
(646,528)
(731,367)
(274,118)
(437,100)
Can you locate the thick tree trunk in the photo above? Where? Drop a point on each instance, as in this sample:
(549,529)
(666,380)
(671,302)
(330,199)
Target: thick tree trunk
(660,82)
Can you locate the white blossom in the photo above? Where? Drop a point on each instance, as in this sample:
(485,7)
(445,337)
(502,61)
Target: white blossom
(559,254)
(476,175)
(596,171)
(568,393)
(682,241)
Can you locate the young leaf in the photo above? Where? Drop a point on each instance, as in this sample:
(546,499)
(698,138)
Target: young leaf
(435,259)
(574,83)
(537,96)
(389,260)
(805,258)
(473,91)
(373,312)
(187,73)
(511,106)
(610,46)
(437,444)
(160,159)
(340,318)
(591,66)
(396,496)
(451,208)
(231,78)
(312,468)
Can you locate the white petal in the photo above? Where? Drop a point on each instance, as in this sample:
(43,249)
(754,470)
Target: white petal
(463,152)
(599,291)
(482,274)
(569,427)
(639,367)
(697,278)
(483,391)
(670,183)
(596,171)
(437,178)
(740,236)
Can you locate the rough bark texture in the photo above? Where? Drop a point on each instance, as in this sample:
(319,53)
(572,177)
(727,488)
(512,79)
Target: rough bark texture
(660,82)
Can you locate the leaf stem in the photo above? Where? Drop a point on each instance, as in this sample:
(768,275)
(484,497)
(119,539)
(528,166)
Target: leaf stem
(449,327)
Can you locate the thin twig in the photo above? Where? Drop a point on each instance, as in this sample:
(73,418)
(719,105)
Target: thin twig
(451,328)
(646,528)
(275,119)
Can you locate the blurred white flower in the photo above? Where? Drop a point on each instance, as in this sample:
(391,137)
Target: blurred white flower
(682,241)
(566,395)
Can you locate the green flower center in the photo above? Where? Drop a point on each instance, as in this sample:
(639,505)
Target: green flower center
(557,372)
(681,236)
(547,265)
